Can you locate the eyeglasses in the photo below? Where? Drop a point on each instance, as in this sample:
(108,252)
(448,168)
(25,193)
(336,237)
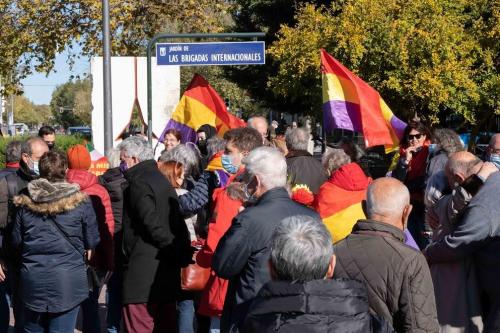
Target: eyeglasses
(495,151)
(416,136)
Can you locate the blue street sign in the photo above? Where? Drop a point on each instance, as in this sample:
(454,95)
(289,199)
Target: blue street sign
(216,53)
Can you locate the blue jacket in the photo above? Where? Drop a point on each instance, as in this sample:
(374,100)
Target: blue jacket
(53,272)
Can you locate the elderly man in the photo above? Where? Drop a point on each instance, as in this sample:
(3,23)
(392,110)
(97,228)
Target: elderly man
(11,185)
(302,296)
(397,276)
(476,235)
(457,310)
(155,242)
(260,124)
(303,168)
(242,254)
(493,155)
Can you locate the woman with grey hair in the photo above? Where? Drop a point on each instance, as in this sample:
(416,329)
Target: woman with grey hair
(446,142)
(333,159)
(188,155)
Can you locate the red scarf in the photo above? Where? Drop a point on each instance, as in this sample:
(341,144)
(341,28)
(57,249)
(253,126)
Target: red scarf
(418,163)
(13,165)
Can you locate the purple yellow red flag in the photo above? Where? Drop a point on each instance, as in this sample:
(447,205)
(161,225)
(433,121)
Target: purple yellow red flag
(201,105)
(352,104)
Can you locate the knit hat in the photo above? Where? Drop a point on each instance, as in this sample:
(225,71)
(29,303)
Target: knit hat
(79,158)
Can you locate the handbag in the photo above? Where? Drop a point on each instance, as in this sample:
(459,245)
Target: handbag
(94,282)
(194,277)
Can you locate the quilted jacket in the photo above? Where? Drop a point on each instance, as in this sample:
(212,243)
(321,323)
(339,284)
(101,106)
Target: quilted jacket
(397,276)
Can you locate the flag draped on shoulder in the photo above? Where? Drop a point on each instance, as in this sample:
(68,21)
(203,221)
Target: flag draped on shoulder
(201,105)
(352,104)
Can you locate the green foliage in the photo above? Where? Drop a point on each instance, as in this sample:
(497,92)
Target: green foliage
(63,142)
(434,57)
(27,112)
(71,103)
(34,31)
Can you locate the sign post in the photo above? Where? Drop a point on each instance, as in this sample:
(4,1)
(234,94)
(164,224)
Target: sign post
(202,54)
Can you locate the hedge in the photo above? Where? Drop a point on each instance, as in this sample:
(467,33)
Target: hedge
(63,142)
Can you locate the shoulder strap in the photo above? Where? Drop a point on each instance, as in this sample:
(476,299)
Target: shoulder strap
(12,185)
(65,236)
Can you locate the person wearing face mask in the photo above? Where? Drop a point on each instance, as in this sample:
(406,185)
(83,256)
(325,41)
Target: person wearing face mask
(11,185)
(48,134)
(242,254)
(239,143)
(493,154)
(474,234)
(203,134)
(397,276)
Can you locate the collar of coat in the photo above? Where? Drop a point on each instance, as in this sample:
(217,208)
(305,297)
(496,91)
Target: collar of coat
(380,229)
(274,193)
(143,167)
(298,153)
(51,198)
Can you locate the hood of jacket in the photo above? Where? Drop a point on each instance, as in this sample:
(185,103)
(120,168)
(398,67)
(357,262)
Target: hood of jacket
(81,177)
(51,198)
(341,297)
(350,177)
(112,175)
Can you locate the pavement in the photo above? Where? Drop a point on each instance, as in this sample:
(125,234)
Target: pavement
(102,315)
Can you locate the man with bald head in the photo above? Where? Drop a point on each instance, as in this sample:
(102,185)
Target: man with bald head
(260,124)
(475,234)
(397,276)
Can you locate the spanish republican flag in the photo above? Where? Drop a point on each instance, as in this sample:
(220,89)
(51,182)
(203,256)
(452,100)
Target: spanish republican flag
(350,103)
(201,105)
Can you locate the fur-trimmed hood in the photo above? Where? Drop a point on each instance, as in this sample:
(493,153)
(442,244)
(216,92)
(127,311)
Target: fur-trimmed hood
(51,198)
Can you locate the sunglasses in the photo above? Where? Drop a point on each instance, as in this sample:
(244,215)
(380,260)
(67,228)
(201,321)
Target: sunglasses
(416,136)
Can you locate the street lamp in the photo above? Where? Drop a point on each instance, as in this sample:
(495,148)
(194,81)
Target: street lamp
(106,61)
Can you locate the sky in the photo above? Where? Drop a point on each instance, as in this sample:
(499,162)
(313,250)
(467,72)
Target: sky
(38,87)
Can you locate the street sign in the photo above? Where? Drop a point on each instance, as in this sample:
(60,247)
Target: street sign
(210,53)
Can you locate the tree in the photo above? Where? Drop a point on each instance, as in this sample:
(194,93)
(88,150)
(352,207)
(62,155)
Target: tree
(433,57)
(71,103)
(27,112)
(34,31)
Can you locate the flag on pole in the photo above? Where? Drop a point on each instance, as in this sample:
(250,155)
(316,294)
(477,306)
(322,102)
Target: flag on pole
(201,105)
(350,103)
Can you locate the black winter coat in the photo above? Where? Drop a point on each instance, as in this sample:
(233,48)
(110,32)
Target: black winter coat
(397,276)
(53,272)
(155,237)
(243,252)
(314,306)
(303,168)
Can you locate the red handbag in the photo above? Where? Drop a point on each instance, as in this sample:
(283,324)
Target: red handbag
(194,277)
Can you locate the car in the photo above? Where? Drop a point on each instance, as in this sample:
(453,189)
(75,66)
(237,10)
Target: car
(82,130)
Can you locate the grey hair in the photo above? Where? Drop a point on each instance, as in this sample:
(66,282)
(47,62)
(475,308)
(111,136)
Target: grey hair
(297,139)
(27,145)
(113,157)
(301,249)
(465,167)
(137,147)
(13,152)
(214,145)
(334,159)
(187,154)
(391,203)
(251,120)
(269,164)
(447,140)
(493,139)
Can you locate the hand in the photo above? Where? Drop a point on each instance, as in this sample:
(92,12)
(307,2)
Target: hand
(88,255)
(486,170)
(409,153)
(3,270)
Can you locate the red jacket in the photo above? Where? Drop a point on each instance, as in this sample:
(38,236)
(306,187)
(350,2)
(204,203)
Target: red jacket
(103,257)
(338,201)
(225,209)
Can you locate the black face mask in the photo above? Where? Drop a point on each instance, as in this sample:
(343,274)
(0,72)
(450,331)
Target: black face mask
(51,145)
(202,146)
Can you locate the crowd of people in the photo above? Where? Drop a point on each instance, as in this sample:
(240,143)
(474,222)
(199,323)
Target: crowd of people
(250,232)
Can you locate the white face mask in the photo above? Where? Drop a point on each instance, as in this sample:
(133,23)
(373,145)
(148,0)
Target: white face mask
(35,167)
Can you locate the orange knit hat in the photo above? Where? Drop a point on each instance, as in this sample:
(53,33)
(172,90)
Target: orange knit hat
(78,158)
